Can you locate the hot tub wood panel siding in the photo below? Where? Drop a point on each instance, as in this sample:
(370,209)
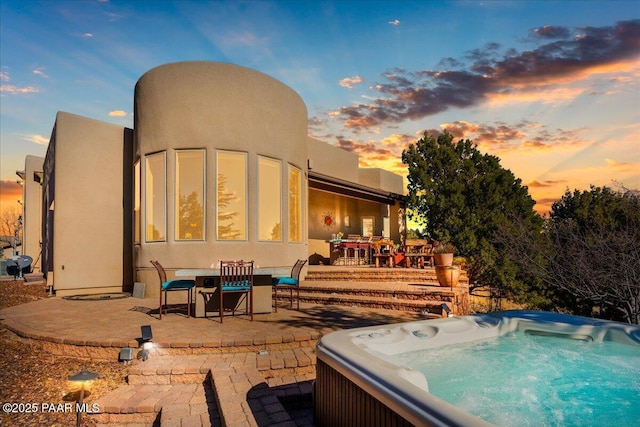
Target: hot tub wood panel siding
(340,402)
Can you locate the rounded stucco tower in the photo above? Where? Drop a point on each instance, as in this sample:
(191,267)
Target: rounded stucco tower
(220,168)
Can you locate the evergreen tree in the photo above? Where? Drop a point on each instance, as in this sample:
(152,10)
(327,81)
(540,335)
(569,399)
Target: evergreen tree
(464,196)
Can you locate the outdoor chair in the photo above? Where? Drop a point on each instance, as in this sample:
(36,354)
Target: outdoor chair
(236,277)
(289,282)
(167,286)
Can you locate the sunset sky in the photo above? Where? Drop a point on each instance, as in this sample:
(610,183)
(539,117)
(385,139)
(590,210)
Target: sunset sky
(550,87)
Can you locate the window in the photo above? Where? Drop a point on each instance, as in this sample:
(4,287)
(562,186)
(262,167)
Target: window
(136,202)
(155,192)
(367,226)
(231,195)
(190,195)
(269,199)
(295,204)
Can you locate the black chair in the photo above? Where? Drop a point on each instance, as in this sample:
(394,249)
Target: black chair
(289,282)
(167,286)
(236,277)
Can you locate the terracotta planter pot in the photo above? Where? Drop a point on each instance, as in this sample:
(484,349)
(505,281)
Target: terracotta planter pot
(443,259)
(448,276)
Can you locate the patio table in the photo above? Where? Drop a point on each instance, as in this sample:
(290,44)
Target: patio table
(208,279)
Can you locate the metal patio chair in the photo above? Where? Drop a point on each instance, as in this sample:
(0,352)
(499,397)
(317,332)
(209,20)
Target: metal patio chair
(291,283)
(167,286)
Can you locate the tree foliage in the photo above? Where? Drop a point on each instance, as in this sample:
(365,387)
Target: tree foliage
(10,224)
(589,253)
(464,196)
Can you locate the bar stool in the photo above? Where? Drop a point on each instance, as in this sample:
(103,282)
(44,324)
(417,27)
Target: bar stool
(351,254)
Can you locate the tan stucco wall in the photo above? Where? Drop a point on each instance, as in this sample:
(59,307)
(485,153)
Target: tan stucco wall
(381,179)
(88,217)
(332,161)
(32,210)
(215,106)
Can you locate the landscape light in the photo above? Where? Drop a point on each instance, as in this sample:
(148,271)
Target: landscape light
(83,377)
(126,355)
(147,345)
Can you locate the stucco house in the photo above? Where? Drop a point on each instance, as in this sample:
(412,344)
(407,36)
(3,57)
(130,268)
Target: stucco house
(218,165)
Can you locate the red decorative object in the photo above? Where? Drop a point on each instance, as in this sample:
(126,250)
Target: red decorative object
(328,220)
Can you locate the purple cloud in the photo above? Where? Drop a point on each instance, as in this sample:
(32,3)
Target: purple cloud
(408,95)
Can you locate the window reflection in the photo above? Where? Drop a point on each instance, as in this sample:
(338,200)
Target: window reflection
(155,203)
(295,204)
(231,196)
(269,199)
(189,203)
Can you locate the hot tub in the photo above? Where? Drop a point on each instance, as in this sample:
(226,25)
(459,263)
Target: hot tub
(380,375)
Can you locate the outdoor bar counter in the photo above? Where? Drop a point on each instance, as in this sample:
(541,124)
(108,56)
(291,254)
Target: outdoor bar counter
(210,278)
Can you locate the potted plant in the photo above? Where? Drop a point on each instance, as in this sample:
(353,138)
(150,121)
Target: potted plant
(447,274)
(443,253)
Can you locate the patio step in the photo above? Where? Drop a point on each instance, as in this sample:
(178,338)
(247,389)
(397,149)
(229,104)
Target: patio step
(426,299)
(187,369)
(426,276)
(157,404)
(232,392)
(433,307)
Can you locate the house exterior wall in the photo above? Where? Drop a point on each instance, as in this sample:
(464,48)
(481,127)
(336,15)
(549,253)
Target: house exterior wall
(32,214)
(332,161)
(87,247)
(92,198)
(215,106)
(381,179)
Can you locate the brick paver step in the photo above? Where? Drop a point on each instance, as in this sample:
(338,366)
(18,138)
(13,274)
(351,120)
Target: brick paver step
(188,369)
(245,399)
(375,275)
(380,302)
(426,291)
(146,404)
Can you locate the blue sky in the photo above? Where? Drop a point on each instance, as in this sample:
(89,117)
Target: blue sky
(551,87)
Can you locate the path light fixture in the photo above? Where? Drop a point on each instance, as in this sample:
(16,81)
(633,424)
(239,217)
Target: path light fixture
(145,341)
(126,355)
(83,377)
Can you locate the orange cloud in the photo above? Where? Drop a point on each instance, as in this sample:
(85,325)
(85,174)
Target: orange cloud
(622,166)
(545,184)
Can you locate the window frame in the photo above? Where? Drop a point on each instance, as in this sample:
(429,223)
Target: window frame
(148,196)
(301,215)
(137,201)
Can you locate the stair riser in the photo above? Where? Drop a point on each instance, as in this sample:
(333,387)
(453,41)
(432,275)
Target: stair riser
(200,377)
(419,307)
(383,279)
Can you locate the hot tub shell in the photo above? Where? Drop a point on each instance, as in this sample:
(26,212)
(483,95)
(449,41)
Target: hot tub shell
(356,386)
